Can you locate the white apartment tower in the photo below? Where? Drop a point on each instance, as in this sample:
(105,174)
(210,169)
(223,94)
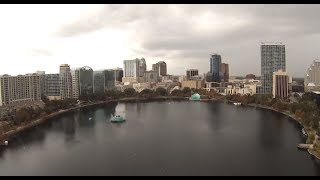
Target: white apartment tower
(312,77)
(21,89)
(65,82)
(75,83)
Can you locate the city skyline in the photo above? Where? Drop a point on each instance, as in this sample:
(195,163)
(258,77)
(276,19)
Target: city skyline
(105,35)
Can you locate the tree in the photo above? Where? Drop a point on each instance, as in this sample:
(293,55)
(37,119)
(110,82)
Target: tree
(37,111)
(186,91)
(160,91)
(84,97)
(244,99)
(147,93)
(113,94)
(293,107)
(44,98)
(20,117)
(130,92)
(177,92)
(306,97)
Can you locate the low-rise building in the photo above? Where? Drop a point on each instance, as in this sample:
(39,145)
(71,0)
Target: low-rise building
(141,86)
(242,89)
(197,84)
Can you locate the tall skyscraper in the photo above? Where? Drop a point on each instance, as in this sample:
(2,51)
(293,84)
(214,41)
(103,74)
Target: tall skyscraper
(75,83)
(134,70)
(273,58)
(280,86)
(52,86)
(131,68)
(191,73)
(85,80)
(155,67)
(65,81)
(118,74)
(110,79)
(142,67)
(160,67)
(98,81)
(215,63)
(21,89)
(224,70)
(42,81)
(312,77)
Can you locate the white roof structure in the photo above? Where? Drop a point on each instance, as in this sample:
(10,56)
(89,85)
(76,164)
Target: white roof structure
(311,85)
(316,92)
(272,43)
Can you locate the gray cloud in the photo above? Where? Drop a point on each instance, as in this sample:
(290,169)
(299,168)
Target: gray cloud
(171,32)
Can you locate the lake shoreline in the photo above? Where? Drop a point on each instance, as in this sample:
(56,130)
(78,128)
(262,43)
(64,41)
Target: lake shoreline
(21,128)
(308,131)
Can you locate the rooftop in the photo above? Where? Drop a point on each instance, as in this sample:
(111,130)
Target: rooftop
(316,92)
(272,43)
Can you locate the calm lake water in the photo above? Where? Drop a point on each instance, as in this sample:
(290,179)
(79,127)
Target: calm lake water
(162,138)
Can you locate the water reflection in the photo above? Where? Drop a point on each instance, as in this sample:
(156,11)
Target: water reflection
(69,127)
(270,139)
(179,138)
(31,137)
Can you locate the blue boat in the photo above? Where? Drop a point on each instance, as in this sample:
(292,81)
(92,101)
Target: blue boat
(117,118)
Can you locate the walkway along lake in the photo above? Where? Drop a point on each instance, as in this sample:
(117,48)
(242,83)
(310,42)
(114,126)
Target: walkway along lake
(161,138)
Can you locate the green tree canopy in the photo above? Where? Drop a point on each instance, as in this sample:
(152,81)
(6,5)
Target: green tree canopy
(160,91)
(129,92)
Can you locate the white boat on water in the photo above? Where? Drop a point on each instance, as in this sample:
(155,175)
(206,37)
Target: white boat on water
(237,104)
(5,143)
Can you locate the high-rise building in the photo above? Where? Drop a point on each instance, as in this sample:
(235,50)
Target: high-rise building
(52,86)
(191,73)
(312,77)
(273,58)
(160,67)
(224,70)
(110,79)
(85,80)
(75,83)
(280,87)
(155,67)
(131,68)
(142,67)
(42,81)
(98,81)
(118,74)
(65,81)
(151,76)
(215,63)
(21,89)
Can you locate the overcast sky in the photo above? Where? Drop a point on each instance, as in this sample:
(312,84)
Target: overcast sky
(41,37)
